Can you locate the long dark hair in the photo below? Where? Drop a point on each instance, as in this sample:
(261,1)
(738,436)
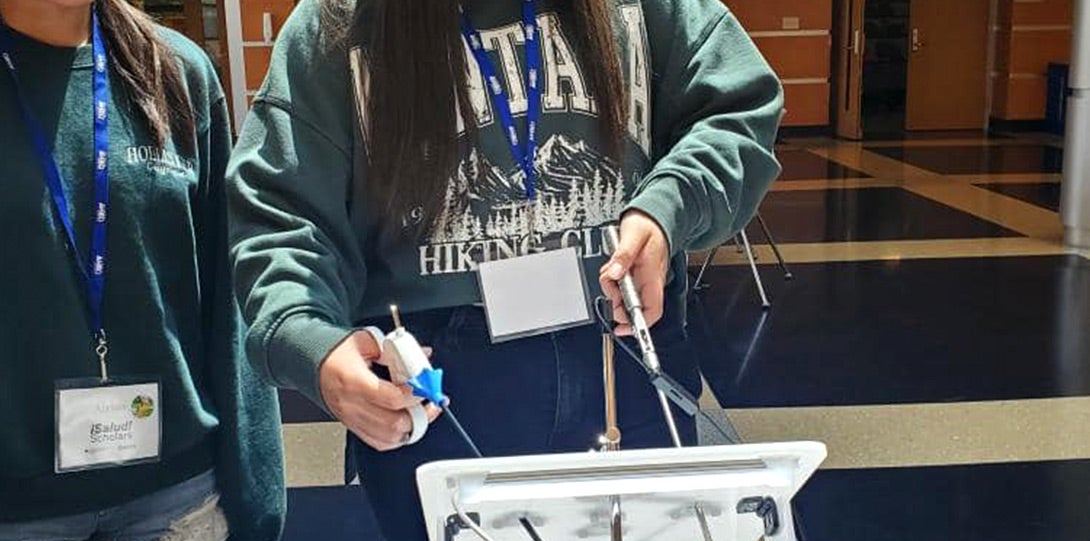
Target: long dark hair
(416,62)
(149,73)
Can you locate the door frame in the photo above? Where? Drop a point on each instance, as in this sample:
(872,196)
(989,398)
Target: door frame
(232,20)
(850,43)
(993,59)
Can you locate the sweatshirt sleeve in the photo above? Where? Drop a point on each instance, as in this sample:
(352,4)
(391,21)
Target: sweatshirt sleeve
(298,265)
(716,111)
(247,441)
(249,452)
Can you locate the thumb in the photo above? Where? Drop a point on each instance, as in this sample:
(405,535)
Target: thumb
(632,242)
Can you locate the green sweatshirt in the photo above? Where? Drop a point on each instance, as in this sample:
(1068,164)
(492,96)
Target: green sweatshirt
(312,262)
(169,311)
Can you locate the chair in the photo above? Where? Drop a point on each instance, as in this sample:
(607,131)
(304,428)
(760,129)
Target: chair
(744,246)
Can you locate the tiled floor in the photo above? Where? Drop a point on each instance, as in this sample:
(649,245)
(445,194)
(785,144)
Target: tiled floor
(803,165)
(986,159)
(890,332)
(1045,195)
(935,337)
(998,502)
(868,214)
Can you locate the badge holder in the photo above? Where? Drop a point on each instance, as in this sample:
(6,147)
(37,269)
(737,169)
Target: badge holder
(106,422)
(534,294)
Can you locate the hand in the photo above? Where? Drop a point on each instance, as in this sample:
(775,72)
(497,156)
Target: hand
(372,408)
(643,251)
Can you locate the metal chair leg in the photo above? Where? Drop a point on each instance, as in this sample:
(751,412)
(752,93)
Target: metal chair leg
(775,248)
(756,275)
(699,284)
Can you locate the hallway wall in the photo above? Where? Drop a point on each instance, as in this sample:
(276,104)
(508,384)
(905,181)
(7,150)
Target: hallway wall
(795,35)
(1029,35)
(796,38)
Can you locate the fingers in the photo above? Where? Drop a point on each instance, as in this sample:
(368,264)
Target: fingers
(398,431)
(382,430)
(642,252)
(633,240)
(372,389)
(652,297)
(388,357)
(653,293)
(616,301)
(366,345)
(613,293)
(622,326)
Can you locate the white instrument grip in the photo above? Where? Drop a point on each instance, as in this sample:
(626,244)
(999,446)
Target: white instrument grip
(406,360)
(420,423)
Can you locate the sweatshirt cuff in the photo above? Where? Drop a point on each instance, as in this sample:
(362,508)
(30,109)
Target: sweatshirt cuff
(296,350)
(662,199)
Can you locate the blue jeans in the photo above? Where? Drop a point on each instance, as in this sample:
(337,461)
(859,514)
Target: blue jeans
(531,396)
(188,511)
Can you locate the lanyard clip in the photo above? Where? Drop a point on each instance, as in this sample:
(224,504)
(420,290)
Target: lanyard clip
(101,349)
(7,60)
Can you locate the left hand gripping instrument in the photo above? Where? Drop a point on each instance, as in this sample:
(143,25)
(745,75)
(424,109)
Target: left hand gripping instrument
(409,365)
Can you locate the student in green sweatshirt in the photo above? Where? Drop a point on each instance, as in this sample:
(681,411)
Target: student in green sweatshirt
(127,409)
(379,165)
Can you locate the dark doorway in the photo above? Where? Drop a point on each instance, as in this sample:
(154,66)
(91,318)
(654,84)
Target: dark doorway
(885,72)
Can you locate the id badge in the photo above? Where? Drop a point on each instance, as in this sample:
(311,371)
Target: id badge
(534,294)
(103,425)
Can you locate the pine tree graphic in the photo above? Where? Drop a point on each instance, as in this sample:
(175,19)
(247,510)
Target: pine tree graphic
(576,188)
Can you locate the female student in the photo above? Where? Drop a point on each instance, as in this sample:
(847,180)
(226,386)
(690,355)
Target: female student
(127,411)
(398,145)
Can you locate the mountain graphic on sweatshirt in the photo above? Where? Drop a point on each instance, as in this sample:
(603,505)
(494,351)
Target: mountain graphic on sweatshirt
(576,187)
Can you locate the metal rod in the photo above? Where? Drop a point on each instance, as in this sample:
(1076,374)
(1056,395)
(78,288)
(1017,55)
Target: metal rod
(703,519)
(699,283)
(611,440)
(756,274)
(612,437)
(669,415)
(462,432)
(676,437)
(396,313)
(529,528)
(616,528)
(775,248)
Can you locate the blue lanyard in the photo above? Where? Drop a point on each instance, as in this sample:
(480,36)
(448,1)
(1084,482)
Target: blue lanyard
(94,273)
(524,154)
